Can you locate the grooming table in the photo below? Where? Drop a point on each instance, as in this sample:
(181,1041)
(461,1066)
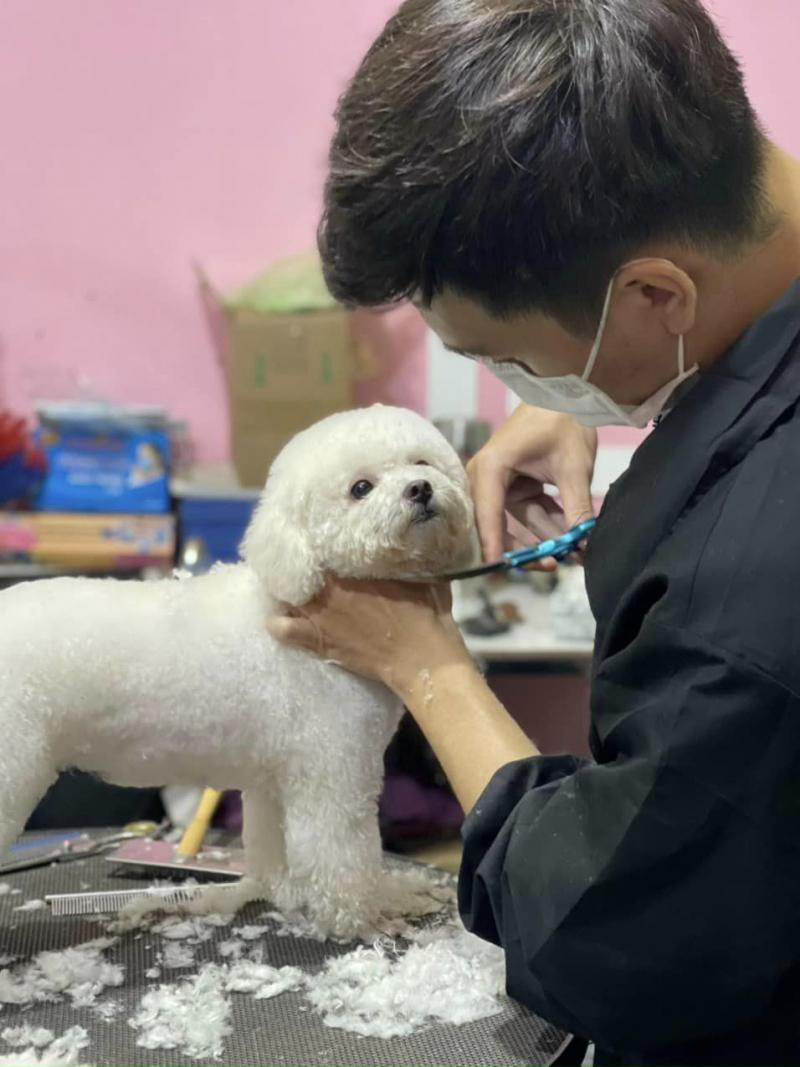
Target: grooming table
(265,1032)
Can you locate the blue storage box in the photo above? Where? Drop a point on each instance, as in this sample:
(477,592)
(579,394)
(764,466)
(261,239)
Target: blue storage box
(218,523)
(102,458)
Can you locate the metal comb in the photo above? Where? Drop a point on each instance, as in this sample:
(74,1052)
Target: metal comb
(112,901)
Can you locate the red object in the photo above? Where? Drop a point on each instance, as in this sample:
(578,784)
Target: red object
(15,439)
(12,435)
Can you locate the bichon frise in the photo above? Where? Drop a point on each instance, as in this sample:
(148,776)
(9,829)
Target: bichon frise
(178,681)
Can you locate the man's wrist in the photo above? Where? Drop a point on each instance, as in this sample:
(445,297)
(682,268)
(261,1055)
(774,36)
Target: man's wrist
(419,686)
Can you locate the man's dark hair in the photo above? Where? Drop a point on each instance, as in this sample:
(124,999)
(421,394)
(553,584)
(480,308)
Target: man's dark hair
(517,151)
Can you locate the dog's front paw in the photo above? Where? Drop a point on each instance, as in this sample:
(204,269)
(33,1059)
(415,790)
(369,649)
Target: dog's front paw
(281,892)
(285,896)
(393,908)
(346,920)
(414,893)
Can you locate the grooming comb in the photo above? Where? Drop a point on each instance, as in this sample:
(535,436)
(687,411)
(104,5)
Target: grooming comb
(108,902)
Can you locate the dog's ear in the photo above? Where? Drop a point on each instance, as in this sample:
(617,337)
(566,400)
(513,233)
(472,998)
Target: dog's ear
(278,548)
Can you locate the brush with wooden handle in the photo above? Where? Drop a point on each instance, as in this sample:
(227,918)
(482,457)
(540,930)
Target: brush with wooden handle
(192,840)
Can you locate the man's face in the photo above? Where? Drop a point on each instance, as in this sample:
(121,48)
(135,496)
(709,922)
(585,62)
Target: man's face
(637,354)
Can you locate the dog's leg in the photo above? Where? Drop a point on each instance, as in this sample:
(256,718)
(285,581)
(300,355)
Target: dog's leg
(265,849)
(334,852)
(26,773)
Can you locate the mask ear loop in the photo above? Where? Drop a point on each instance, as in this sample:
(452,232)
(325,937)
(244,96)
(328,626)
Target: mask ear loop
(598,337)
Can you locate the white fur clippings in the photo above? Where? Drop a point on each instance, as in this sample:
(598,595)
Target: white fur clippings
(43,1048)
(148,683)
(433,975)
(31,905)
(18,1036)
(80,973)
(446,976)
(194,1015)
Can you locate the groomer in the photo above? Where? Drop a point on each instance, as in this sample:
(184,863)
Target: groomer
(578,192)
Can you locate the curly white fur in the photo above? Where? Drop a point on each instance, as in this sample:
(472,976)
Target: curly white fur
(178,681)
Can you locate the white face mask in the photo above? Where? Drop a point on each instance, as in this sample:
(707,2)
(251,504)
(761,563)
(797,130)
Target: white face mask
(575,395)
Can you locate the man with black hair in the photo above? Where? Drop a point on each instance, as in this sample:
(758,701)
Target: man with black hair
(578,193)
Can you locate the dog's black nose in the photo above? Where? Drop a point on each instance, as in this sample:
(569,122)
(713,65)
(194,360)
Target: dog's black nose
(419,492)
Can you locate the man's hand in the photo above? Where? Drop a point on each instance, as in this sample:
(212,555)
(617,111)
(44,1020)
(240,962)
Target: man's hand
(388,631)
(532,449)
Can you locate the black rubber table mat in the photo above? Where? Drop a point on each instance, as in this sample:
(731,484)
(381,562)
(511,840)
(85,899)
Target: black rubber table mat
(279,1031)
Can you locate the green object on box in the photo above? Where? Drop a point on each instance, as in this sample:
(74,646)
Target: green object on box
(291,285)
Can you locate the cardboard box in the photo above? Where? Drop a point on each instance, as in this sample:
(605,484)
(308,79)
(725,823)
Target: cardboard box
(284,372)
(88,542)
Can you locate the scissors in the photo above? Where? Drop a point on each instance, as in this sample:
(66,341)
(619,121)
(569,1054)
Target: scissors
(555,548)
(70,845)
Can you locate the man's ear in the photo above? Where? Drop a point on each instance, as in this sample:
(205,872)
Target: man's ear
(281,553)
(660,286)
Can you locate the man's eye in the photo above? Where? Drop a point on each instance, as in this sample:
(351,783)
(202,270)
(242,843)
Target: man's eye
(361,489)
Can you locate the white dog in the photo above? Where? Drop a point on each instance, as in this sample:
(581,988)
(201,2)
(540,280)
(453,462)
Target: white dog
(178,681)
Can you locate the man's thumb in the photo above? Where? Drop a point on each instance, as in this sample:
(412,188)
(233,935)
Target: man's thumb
(293,631)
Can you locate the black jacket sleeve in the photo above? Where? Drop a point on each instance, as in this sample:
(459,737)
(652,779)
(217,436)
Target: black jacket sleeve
(649,898)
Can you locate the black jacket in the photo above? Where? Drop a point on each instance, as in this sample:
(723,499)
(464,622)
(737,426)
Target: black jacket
(650,900)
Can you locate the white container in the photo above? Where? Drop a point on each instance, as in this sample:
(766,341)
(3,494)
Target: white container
(570,614)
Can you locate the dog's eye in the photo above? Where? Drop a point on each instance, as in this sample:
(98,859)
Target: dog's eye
(361,489)
(422,463)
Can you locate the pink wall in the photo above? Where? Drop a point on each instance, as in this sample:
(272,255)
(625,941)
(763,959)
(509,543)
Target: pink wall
(138,135)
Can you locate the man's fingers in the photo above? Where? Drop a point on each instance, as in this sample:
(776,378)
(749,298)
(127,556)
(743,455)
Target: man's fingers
(536,520)
(524,540)
(519,536)
(300,632)
(575,488)
(489,484)
(543,517)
